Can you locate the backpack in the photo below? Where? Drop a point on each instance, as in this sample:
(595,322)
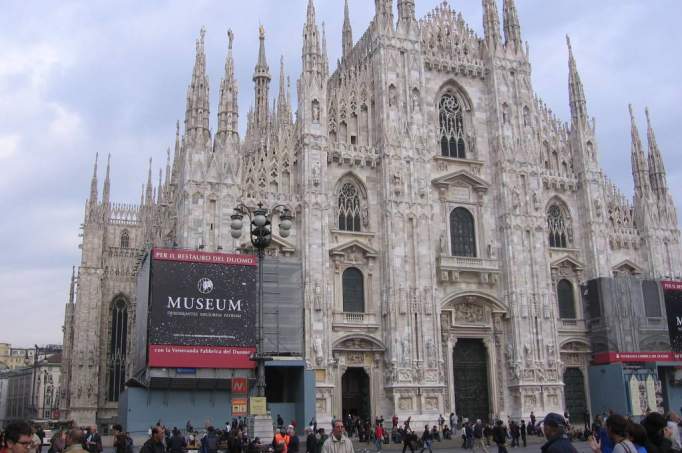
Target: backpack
(478,431)
(212,443)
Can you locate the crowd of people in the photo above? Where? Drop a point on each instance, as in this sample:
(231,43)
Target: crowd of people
(21,437)
(612,433)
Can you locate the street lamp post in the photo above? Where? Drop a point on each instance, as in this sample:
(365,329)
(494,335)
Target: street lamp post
(260,229)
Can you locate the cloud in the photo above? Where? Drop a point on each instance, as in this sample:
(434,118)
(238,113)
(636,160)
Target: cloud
(8,146)
(66,126)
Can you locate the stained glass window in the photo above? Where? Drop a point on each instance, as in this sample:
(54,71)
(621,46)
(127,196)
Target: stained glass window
(451,122)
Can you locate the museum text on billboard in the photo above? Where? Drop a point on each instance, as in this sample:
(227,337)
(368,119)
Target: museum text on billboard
(202,309)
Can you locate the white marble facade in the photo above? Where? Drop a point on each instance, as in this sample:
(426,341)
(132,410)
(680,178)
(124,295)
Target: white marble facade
(423,128)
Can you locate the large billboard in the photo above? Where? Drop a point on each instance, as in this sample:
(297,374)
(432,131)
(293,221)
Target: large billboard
(202,310)
(673,309)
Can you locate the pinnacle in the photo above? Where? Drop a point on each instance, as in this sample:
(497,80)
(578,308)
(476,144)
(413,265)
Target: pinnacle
(648,118)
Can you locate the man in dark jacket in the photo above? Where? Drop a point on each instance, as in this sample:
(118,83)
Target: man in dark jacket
(177,442)
(523,429)
(311,443)
(93,441)
(554,427)
(515,432)
(155,443)
(427,440)
(210,443)
(500,436)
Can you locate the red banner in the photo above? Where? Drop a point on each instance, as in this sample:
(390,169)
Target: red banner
(193,256)
(640,357)
(671,286)
(171,356)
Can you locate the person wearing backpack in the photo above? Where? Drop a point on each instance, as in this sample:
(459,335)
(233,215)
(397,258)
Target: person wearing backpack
(479,443)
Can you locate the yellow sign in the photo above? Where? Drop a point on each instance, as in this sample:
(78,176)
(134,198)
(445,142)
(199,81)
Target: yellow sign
(239,407)
(258,405)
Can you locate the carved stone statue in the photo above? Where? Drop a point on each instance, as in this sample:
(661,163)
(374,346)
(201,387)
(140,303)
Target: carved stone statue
(317,349)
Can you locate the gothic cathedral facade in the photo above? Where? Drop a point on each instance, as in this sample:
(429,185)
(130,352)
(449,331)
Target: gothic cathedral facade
(445,220)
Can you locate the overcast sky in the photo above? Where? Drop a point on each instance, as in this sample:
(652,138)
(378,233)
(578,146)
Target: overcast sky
(110,77)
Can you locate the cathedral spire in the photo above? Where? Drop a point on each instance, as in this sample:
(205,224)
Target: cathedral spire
(197,111)
(310,12)
(283,107)
(93,183)
(347,39)
(72,286)
(228,110)
(312,53)
(261,79)
(148,193)
(640,173)
(659,184)
(176,155)
(491,24)
(512,28)
(159,190)
(325,61)
(576,92)
(383,17)
(406,14)
(168,168)
(106,190)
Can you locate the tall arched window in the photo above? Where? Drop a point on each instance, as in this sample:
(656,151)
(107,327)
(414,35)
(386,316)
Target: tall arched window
(353,291)
(125,239)
(462,233)
(349,208)
(560,234)
(564,291)
(118,346)
(451,120)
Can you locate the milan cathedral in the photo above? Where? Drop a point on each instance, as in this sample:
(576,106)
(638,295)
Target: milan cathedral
(445,219)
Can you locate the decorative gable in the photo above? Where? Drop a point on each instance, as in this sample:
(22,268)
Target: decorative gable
(353,252)
(626,267)
(461,186)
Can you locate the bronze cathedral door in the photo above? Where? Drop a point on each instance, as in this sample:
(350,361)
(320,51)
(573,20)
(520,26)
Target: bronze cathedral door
(470,363)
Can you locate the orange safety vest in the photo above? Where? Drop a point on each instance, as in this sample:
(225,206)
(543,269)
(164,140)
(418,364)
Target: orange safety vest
(283,439)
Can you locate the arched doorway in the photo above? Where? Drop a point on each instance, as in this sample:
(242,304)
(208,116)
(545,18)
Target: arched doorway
(355,393)
(574,390)
(470,364)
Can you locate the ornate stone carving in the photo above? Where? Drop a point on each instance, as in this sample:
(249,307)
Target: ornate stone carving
(405,403)
(321,405)
(355,358)
(431,403)
(470,313)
